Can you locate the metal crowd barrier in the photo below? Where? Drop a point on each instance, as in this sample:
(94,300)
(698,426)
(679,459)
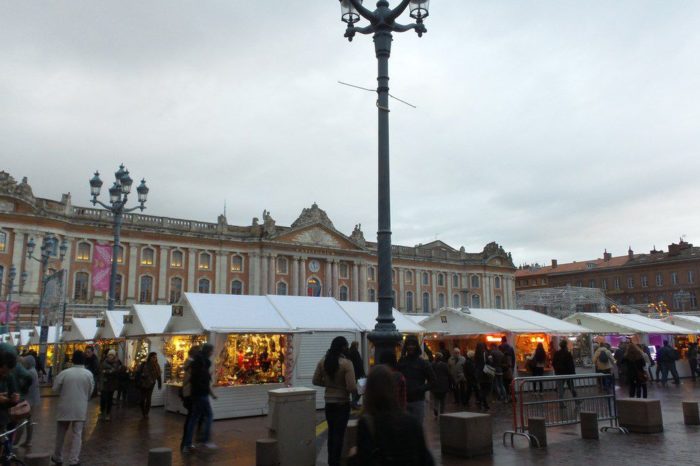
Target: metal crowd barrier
(552,398)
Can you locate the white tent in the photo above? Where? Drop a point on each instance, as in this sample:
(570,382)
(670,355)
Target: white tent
(365,314)
(417,318)
(15,338)
(36,334)
(110,325)
(24,336)
(690,322)
(144,320)
(472,321)
(80,329)
(608,323)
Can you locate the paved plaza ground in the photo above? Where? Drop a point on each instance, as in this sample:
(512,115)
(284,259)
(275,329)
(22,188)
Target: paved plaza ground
(127,438)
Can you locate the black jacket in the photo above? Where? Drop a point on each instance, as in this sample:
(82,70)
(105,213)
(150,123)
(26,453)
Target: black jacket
(387,440)
(563,363)
(419,377)
(356,359)
(200,378)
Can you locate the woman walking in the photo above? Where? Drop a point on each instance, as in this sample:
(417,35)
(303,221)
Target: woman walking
(335,372)
(110,383)
(386,434)
(636,371)
(441,385)
(150,375)
(481,359)
(538,361)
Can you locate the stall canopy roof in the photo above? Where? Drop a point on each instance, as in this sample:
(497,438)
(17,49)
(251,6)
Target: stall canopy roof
(417,318)
(36,334)
(689,322)
(24,336)
(365,314)
(82,329)
(312,313)
(602,322)
(147,320)
(15,338)
(469,321)
(114,322)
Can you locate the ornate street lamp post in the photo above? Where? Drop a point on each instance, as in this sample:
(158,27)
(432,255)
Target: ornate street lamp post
(383,23)
(9,287)
(118,194)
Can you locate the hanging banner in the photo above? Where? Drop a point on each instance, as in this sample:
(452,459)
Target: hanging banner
(101,267)
(8,314)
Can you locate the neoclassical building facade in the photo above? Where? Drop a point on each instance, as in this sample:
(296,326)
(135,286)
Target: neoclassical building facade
(160,258)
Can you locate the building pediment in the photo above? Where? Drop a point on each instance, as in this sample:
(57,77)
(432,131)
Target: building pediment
(317,235)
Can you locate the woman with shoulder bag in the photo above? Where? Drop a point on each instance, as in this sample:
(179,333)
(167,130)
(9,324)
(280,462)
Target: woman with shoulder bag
(149,376)
(481,358)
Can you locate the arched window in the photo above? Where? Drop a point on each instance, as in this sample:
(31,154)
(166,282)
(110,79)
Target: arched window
(236,263)
(313,287)
(441,301)
(343,269)
(147,256)
(441,279)
(120,254)
(204,261)
(425,278)
(282,265)
(370,274)
(497,282)
(177,259)
(146,289)
(475,281)
(3,241)
(409,301)
(81,286)
(203,285)
(409,276)
(118,289)
(455,280)
(371,295)
(175,290)
(455,300)
(82,252)
(236,287)
(426,302)
(499,303)
(476,301)
(282,288)
(343,293)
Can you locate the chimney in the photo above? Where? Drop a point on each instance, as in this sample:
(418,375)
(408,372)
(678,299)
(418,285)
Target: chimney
(630,253)
(607,256)
(554,263)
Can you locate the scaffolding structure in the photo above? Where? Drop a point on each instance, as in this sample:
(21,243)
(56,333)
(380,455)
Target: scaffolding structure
(564,301)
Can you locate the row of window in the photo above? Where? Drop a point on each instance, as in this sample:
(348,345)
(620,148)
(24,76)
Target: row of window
(425,278)
(680,303)
(643,281)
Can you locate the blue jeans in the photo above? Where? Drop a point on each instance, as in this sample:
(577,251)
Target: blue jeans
(201,409)
(498,386)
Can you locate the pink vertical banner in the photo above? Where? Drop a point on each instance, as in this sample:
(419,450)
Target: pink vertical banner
(101,267)
(12,314)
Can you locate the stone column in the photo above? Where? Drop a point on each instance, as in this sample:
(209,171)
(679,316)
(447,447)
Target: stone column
(334,272)
(448,301)
(133,265)
(302,276)
(488,291)
(220,274)
(294,277)
(19,251)
(355,282)
(329,278)
(252,273)
(162,275)
(401,294)
(191,264)
(433,295)
(418,300)
(362,283)
(263,274)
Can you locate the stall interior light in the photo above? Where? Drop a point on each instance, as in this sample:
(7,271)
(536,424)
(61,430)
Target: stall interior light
(537,339)
(493,339)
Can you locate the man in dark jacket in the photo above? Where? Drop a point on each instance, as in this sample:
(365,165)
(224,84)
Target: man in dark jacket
(419,377)
(498,361)
(563,364)
(92,363)
(668,357)
(356,359)
(201,390)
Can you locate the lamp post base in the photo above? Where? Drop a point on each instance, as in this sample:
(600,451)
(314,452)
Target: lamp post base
(383,341)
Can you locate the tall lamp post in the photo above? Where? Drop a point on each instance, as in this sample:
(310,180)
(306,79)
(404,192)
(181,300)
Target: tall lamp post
(118,195)
(9,287)
(383,23)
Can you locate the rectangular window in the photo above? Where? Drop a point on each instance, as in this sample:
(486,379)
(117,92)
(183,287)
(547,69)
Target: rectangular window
(691,276)
(674,278)
(591,283)
(645,281)
(659,280)
(147,256)
(426,279)
(176,259)
(604,283)
(617,283)
(3,241)
(630,282)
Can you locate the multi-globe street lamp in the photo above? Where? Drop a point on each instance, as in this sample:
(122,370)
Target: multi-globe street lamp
(118,195)
(383,24)
(9,288)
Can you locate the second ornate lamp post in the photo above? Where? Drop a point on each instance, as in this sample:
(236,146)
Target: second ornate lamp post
(118,194)
(9,287)
(383,24)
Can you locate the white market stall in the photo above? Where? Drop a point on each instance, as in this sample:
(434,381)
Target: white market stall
(108,335)
(77,334)
(614,328)
(260,343)
(524,329)
(144,326)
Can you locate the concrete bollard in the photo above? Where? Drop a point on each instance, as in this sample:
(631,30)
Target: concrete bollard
(691,413)
(640,416)
(267,452)
(589,425)
(538,429)
(160,457)
(37,459)
(466,434)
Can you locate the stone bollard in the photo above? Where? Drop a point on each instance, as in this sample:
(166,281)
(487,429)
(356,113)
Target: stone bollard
(691,413)
(267,452)
(640,416)
(538,429)
(37,459)
(589,425)
(466,434)
(160,457)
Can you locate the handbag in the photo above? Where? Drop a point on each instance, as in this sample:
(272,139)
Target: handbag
(21,410)
(489,370)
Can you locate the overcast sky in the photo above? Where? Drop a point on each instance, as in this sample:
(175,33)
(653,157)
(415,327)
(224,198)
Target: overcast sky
(556,128)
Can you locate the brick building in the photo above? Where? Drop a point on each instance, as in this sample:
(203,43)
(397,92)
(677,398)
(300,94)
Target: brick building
(633,279)
(160,258)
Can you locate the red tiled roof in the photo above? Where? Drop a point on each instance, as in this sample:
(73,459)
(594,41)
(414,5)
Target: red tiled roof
(595,264)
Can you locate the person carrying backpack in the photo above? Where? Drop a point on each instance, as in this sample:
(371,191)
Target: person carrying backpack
(603,362)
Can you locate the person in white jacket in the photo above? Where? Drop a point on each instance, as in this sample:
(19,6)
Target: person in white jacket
(74,387)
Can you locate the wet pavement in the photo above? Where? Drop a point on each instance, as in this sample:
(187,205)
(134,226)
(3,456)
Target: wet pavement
(127,438)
